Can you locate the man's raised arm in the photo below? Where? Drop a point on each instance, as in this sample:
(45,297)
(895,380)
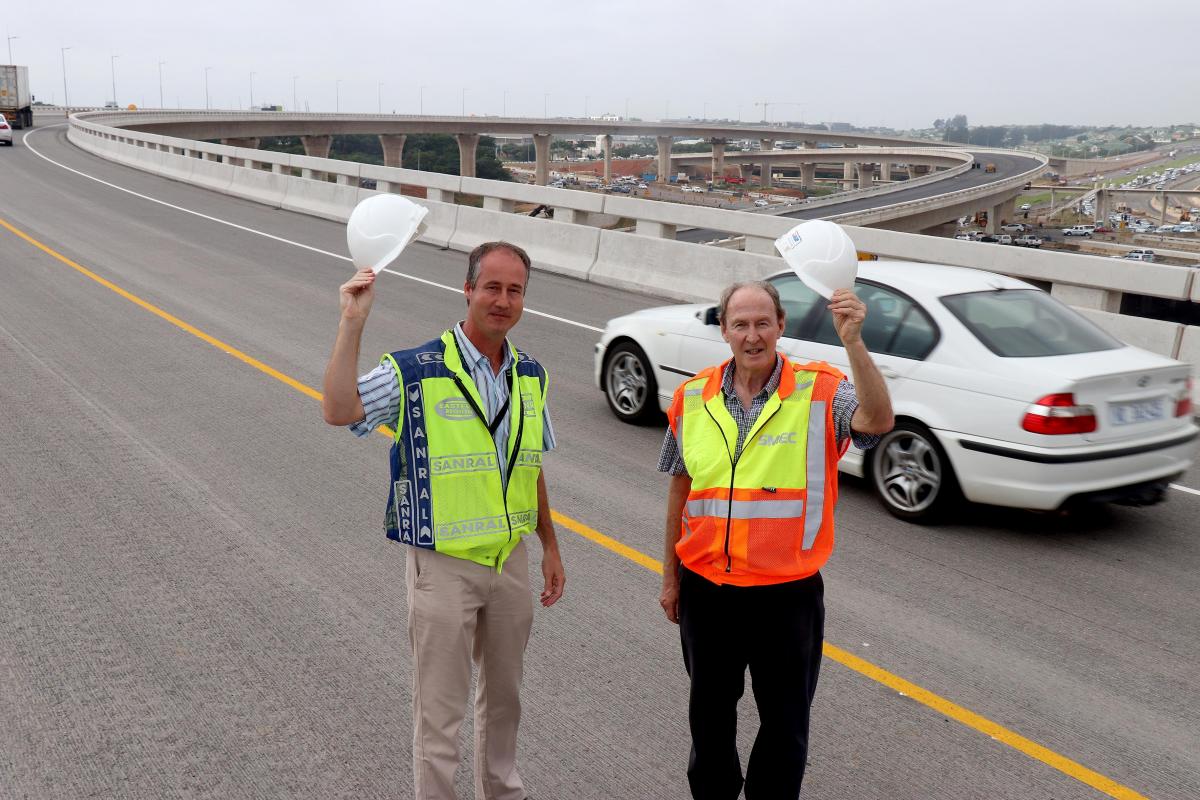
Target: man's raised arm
(341,404)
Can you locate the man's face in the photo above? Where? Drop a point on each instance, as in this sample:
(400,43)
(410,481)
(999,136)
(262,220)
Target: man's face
(751,328)
(495,304)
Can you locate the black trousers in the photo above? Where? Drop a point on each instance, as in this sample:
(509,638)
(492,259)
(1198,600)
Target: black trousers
(776,632)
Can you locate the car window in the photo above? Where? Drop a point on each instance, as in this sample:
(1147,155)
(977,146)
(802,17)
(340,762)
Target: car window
(894,325)
(798,300)
(1025,323)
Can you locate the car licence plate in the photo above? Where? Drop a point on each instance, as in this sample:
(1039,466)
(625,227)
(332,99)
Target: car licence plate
(1136,411)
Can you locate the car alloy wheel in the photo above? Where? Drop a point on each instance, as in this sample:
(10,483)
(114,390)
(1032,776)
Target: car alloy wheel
(629,384)
(910,473)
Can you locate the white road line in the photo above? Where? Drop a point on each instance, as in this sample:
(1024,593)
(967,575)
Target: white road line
(456,290)
(1187,489)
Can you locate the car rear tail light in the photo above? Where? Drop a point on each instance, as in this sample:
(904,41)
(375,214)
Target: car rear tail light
(1183,406)
(1057,414)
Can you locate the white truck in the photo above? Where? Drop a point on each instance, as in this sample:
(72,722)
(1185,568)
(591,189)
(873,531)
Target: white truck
(16,104)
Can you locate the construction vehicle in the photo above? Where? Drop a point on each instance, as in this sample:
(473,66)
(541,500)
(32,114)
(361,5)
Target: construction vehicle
(989,167)
(16,103)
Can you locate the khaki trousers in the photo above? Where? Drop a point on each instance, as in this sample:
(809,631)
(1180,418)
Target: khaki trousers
(459,611)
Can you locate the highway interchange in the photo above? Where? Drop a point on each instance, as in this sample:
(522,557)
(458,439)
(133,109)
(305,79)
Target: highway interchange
(198,600)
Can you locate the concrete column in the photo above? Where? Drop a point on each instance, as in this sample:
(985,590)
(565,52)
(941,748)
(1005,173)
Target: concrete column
(866,175)
(541,148)
(347,180)
(467,144)
(316,146)
(659,230)
(808,175)
(847,175)
(1004,212)
(1087,297)
(885,171)
(765,172)
(1102,207)
(569,215)
(917,170)
(249,142)
(439,195)
(498,204)
(393,148)
(280,169)
(718,160)
(606,146)
(664,158)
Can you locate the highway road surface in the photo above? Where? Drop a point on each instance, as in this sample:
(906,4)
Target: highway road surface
(197,600)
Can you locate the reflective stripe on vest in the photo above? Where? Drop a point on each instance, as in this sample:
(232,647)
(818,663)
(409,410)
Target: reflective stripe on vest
(446,490)
(762,515)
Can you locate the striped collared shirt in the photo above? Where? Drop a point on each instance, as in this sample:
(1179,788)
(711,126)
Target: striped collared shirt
(845,403)
(380,393)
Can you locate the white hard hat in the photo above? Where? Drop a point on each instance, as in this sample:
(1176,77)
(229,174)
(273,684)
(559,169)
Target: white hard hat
(821,254)
(380,227)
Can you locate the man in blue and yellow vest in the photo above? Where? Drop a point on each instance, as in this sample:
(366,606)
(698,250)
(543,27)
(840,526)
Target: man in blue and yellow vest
(753,448)
(470,420)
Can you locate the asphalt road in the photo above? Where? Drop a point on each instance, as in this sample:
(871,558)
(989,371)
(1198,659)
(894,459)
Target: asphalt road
(1006,166)
(196,598)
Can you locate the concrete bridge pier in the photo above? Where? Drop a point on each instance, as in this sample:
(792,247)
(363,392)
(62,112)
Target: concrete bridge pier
(917,170)
(541,166)
(808,175)
(664,158)
(718,160)
(249,142)
(393,148)
(766,145)
(606,147)
(1002,213)
(316,147)
(866,175)
(847,176)
(468,143)
(1102,207)
(885,171)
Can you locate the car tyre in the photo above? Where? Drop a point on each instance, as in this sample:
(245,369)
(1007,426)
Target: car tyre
(911,475)
(629,384)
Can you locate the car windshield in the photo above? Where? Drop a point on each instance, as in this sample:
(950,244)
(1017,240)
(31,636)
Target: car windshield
(1024,323)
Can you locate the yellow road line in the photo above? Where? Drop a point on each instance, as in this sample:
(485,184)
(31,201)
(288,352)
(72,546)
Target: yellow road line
(866,668)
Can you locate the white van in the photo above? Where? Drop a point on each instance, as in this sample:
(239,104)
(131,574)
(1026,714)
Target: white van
(1079,230)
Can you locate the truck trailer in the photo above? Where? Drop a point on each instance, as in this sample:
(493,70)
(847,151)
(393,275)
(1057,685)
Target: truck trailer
(15,101)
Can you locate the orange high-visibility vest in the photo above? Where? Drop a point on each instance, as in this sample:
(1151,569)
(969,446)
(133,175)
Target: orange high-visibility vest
(763,516)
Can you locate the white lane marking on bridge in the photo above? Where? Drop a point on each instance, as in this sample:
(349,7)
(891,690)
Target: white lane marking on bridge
(457,290)
(1187,489)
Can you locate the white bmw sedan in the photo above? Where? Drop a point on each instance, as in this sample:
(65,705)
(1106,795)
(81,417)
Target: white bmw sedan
(1002,394)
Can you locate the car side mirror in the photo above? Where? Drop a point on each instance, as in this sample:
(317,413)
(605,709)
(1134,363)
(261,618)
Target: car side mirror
(710,316)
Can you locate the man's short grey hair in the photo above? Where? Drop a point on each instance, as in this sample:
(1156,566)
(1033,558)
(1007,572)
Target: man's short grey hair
(482,250)
(766,286)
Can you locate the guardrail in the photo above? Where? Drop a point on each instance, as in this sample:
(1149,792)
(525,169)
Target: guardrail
(648,259)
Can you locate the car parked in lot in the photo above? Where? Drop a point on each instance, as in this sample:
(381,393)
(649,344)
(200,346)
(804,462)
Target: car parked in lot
(1002,394)
(1028,240)
(1014,227)
(1102,229)
(6,134)
(1025,206)
(1078,230)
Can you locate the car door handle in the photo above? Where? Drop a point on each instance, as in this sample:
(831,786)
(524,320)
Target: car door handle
(888,372)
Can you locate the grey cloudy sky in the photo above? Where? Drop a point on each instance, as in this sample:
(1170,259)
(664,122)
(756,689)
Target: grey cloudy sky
(869,62)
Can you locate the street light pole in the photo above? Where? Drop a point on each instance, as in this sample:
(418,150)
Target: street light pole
(112,63)
(504,107)
(337,96)
(545,105)
(421,106)
(207,104)
(252,74)
(464,101)
(380,97)
(295,107)
(10,58)
(160,92)
(66,99)
(586,98)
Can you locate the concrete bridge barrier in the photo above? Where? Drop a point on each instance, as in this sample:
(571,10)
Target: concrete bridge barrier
(561,248)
